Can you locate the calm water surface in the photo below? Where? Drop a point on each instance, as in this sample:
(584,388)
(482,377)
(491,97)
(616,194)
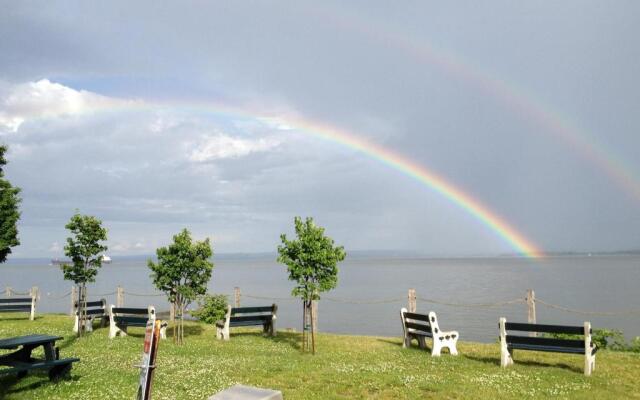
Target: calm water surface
(603,283)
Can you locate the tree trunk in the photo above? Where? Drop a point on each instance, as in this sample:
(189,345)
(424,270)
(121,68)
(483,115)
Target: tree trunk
(79,311)
(313,328)
(304,327)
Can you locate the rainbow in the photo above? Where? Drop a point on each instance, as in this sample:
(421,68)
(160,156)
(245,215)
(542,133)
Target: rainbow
(289,121)
(372,150)
(514,98)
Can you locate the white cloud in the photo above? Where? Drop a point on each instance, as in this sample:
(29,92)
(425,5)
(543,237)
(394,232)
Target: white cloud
(46,99)
(223,146)
(55,247)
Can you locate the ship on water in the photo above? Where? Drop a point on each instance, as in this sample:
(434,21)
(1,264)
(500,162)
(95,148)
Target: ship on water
(57,261)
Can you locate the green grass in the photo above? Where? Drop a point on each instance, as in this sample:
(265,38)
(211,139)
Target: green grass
(345,367)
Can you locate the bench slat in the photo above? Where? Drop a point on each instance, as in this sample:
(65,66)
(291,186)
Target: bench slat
(95,311)
(417,317)
(133,321)
(517,326)
(246,318)
(554,349)
(248,310)
(19,367)
(16,300)
(91,304)
(245,323)
(126,310)
(15,307)
(549,342)
(419,327)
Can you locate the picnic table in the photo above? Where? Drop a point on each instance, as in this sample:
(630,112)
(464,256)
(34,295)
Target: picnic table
(21,360)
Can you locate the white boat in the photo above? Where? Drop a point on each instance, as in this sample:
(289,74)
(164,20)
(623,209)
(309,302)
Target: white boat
(106,259)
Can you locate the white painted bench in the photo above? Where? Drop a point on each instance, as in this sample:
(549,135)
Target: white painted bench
(421,326)
(19,304)
(96,310)
(583,346)
(122,317)
(264,316)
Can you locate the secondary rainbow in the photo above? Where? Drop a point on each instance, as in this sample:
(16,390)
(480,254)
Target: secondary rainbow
(519,101)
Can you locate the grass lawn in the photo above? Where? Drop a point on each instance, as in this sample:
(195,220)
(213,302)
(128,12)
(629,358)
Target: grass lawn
(345,367)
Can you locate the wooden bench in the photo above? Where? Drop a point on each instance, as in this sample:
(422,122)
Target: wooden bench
(22,304)
(248,316)
(95,310)
(20,362)
(121,318)
(421,326)
(585,346)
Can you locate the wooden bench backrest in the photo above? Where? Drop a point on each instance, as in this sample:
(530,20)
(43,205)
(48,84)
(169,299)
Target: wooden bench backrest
(420,323)
(236,311)
(98,307)
(131,316)
(17,304)
(546,341)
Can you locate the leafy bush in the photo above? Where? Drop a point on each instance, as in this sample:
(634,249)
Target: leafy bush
(610,339)
(211,308)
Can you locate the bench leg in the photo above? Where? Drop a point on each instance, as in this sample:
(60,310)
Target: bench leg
(222,333)
(75,324)
(163,330)
(445,339)
(115,329)
(59,371)
(89,324)
(422,342)
(589,363)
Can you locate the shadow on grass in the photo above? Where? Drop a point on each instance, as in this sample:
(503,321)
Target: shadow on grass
(189,330)
(7,383)
(530,363)
(4,317)
(292,339)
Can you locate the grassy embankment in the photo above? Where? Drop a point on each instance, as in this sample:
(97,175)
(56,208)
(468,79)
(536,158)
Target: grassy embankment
(345,367)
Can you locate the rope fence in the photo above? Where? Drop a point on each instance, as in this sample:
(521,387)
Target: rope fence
(530,300)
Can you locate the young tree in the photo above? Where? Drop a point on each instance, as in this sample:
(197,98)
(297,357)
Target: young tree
(182,272)
(312,261)
(9,213)
(85,249)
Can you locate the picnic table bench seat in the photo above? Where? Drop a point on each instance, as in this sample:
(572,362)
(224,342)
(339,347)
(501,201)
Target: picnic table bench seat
(19,304)
(20,362)
(421,326)
(509,342)
(96,310)
(264,316)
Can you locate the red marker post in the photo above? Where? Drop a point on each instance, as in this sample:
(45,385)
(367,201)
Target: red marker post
(148,364)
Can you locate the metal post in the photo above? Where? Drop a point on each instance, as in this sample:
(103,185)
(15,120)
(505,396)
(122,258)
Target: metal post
(120,296)
(236,294)
(531,306)
(412,300)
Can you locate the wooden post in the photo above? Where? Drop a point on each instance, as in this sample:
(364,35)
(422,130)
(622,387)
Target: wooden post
(314,316)
(120,296)
(236,294)
(7,291)
(531,306)
(412,300)
(74,297)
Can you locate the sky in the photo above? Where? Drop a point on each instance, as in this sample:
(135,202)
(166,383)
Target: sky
(218,117)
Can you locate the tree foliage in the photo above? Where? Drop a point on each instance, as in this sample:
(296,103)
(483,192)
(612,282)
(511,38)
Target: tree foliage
(9,213)
(182,272)
(311,261)
(84,247)
(211,308)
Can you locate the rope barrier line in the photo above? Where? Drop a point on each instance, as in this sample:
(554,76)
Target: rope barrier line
(348,301)
(499,304)
(143,294)
(269,297)
(598,313)
(58,297)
